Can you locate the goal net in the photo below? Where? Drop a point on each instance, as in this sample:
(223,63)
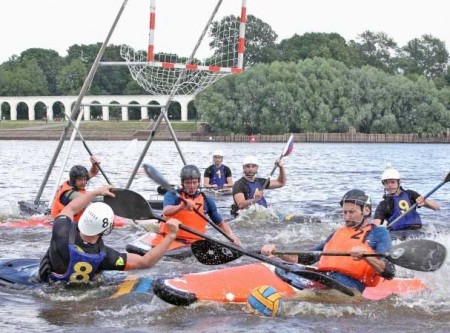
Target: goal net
(219,52)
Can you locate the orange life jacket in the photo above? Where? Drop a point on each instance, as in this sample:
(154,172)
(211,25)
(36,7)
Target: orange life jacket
(344,239)
(57,206)
(189,219)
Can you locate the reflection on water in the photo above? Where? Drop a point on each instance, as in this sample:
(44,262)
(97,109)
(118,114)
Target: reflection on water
(318,175)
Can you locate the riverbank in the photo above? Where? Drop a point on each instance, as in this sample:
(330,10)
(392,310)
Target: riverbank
(94,130)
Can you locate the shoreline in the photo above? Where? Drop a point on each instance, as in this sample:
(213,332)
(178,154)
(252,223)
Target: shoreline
(50,133)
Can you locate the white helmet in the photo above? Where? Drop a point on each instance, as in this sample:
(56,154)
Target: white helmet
(390,173)
(218,153)
(97,218)
(250,160)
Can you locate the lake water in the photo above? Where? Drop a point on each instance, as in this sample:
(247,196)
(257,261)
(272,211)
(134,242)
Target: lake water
(318,176)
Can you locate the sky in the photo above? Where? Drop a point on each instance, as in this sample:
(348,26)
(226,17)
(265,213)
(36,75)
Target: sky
(58,24)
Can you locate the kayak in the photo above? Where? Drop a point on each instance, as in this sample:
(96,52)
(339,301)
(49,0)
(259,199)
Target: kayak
(402,235)
(28,208)
(298,218)
(47,222)
(21,273)
(234,284)
(218,193)
(179,249)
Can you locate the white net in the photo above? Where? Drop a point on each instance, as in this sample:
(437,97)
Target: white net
(171,74)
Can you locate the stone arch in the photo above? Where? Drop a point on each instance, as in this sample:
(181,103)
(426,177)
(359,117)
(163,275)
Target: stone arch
(22,110)
(40,111)
(115,112)
(58,110)
(174,112)
(153,112)
(134,112)
(95,111)
(192,113)
(5,111)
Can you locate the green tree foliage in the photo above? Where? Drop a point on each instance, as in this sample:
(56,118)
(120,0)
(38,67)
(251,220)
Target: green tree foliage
(424,56)
(376,49)
(18,78)
(71,77)
(259,40)
(324,45)
(49,61)
(322,96)
(108,79)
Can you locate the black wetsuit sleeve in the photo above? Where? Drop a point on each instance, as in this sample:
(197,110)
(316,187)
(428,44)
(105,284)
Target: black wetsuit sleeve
(227,171)
(114,260)
(383,212)
(208,172)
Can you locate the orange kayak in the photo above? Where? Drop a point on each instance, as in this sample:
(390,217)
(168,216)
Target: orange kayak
(179,249)
(234,284)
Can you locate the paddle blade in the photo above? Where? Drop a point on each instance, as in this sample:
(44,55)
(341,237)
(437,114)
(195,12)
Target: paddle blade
(289,146)
(130,205)
(211,253)
(418,254)
(157,177)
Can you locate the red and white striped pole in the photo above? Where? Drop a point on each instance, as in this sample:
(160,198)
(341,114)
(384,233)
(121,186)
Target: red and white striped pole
(151,34)
(241,46)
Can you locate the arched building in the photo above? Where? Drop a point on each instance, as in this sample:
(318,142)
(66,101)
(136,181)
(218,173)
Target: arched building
(110,106)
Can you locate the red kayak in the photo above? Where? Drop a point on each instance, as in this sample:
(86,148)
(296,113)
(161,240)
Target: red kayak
(179,249)
(47,222)
(234,284)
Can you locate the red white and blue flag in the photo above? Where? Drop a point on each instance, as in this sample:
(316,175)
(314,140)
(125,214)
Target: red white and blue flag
(289,146)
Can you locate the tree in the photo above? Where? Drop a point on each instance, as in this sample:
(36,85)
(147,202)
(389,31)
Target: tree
(49,61)
(108,79)
(22,79)
(324,45)
(376,49)
(259,40)
(71,77)
(425,56)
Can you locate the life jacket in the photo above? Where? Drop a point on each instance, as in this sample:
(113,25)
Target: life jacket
(252,187)
(218,176)
(188,218)
(401,203)
(344,239)
(82,266)
(57,206)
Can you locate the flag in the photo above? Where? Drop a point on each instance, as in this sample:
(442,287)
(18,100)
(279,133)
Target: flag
(289,146)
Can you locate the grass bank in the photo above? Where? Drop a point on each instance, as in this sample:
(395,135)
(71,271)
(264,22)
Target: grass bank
(186,126)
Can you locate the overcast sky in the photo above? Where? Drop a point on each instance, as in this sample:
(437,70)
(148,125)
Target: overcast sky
(58,24)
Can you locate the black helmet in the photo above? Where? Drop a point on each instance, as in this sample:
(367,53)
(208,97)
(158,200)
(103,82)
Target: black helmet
(78,171)
(357,197)
(190,172)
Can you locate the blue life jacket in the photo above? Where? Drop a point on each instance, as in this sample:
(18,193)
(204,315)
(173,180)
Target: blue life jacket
(218,176)
(82,266)
(402,203)
(252,187)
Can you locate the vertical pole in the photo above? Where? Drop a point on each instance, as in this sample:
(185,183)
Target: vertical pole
(241,46)
(76,107)
(151,34)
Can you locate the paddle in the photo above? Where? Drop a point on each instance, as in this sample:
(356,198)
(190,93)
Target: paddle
(140,209)
(88,150)
(158,178)
(417,254)
(286,151)
(446,180)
